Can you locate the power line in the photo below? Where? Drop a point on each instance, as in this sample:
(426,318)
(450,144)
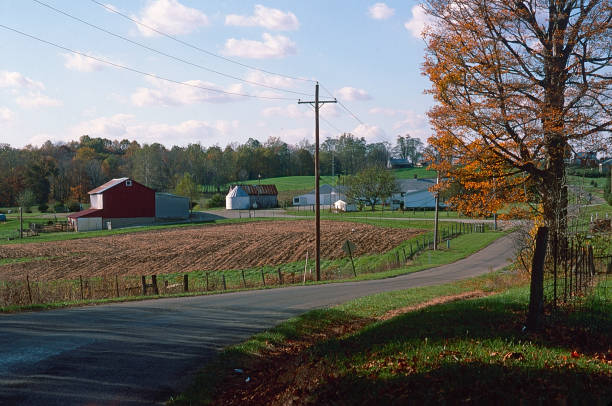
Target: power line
(197,48)
(164,53)
(344,107)
(141,72)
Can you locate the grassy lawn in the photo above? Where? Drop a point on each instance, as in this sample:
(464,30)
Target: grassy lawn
(471,351)
(378,212)
(408,173)
(288,183)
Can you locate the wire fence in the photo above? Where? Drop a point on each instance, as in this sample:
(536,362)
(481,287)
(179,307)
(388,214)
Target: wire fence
(29,292)
(579,275)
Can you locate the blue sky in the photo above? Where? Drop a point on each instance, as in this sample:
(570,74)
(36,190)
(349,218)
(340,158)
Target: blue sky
(367,54)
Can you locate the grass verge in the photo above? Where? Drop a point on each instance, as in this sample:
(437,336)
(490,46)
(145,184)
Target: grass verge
(461,351)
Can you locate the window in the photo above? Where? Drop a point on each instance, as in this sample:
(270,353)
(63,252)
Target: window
(128,183)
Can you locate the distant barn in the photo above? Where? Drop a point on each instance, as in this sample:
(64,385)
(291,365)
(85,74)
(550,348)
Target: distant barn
(123,202)
(245,197)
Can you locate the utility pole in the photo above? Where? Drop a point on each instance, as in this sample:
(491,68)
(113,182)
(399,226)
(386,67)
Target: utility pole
(316,104)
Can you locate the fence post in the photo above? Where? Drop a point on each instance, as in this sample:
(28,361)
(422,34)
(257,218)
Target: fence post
(224,285)
(263,278)
(144,285)
(243,279)
(186,283)
(29,289)
(81,283)
(280,277)
(154,283)
(117,285)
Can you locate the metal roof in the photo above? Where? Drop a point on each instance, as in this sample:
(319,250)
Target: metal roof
(258,190)
(236,191)
(410,185)
(83,213)
(107,185)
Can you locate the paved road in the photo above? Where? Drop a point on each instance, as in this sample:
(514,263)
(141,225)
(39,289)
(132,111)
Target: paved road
(141,353)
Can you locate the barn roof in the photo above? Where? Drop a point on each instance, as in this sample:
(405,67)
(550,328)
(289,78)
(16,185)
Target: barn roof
(107,185)
(84,213)
(258,190)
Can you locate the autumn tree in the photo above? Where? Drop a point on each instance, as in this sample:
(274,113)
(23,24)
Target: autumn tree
(518,84)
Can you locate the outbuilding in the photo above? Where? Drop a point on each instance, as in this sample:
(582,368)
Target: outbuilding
(328,195)
(171,207)
(245,197)
(341,205)
(120,202)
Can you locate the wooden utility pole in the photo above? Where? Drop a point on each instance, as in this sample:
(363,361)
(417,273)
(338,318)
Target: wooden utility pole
(316,104)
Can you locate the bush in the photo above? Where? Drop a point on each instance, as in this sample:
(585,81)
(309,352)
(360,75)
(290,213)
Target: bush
(607,191)
(217,200)
(43,208)
(59,208)
(74,206)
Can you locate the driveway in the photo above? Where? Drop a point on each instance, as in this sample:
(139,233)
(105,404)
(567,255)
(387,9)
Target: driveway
(141,353)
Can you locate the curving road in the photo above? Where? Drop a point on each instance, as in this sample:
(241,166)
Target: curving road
(141,353)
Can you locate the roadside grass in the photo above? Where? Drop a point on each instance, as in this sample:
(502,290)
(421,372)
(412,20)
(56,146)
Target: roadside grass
(462,351)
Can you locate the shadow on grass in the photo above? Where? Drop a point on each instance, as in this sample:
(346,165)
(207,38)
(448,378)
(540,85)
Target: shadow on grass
(470,351)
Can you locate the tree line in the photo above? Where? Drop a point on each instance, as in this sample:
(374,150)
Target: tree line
(65,172)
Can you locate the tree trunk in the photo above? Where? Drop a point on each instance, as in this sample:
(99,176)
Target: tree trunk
(535,317)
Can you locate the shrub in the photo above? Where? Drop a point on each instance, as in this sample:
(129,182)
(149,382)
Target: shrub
(74,206)
(217,200)
(43,207)
(59,208)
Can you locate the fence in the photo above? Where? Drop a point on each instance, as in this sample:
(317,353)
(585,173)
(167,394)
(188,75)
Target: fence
(30,292)
(579,271)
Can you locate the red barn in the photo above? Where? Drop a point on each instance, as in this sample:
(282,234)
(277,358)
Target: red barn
(117,203)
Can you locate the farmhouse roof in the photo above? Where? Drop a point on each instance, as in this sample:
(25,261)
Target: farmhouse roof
(84,213)
(258,190)
(107,185)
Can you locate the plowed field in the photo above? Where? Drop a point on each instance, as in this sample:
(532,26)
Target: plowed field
(232,246)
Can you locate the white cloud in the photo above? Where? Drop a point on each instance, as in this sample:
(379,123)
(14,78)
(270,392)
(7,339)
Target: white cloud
(6,115)
(169,94)
(348,93)
(385,111)
(270,80)
(170,17)
(272,46)
(81,63)
(419,21)
(380,11)
(37,99)
(290,111)
(371,133)
(295,135)
(270,18)
(122,126)
(16,80)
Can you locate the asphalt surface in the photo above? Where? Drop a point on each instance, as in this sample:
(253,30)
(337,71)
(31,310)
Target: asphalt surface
(141,353)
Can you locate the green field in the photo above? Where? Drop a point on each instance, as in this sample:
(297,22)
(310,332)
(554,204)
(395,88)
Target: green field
(408,173)
(288,183)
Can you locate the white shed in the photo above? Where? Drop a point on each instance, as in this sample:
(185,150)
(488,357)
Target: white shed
(341,205)
(237,199)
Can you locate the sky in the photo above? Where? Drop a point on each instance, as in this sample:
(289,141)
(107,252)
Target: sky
(202,81)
